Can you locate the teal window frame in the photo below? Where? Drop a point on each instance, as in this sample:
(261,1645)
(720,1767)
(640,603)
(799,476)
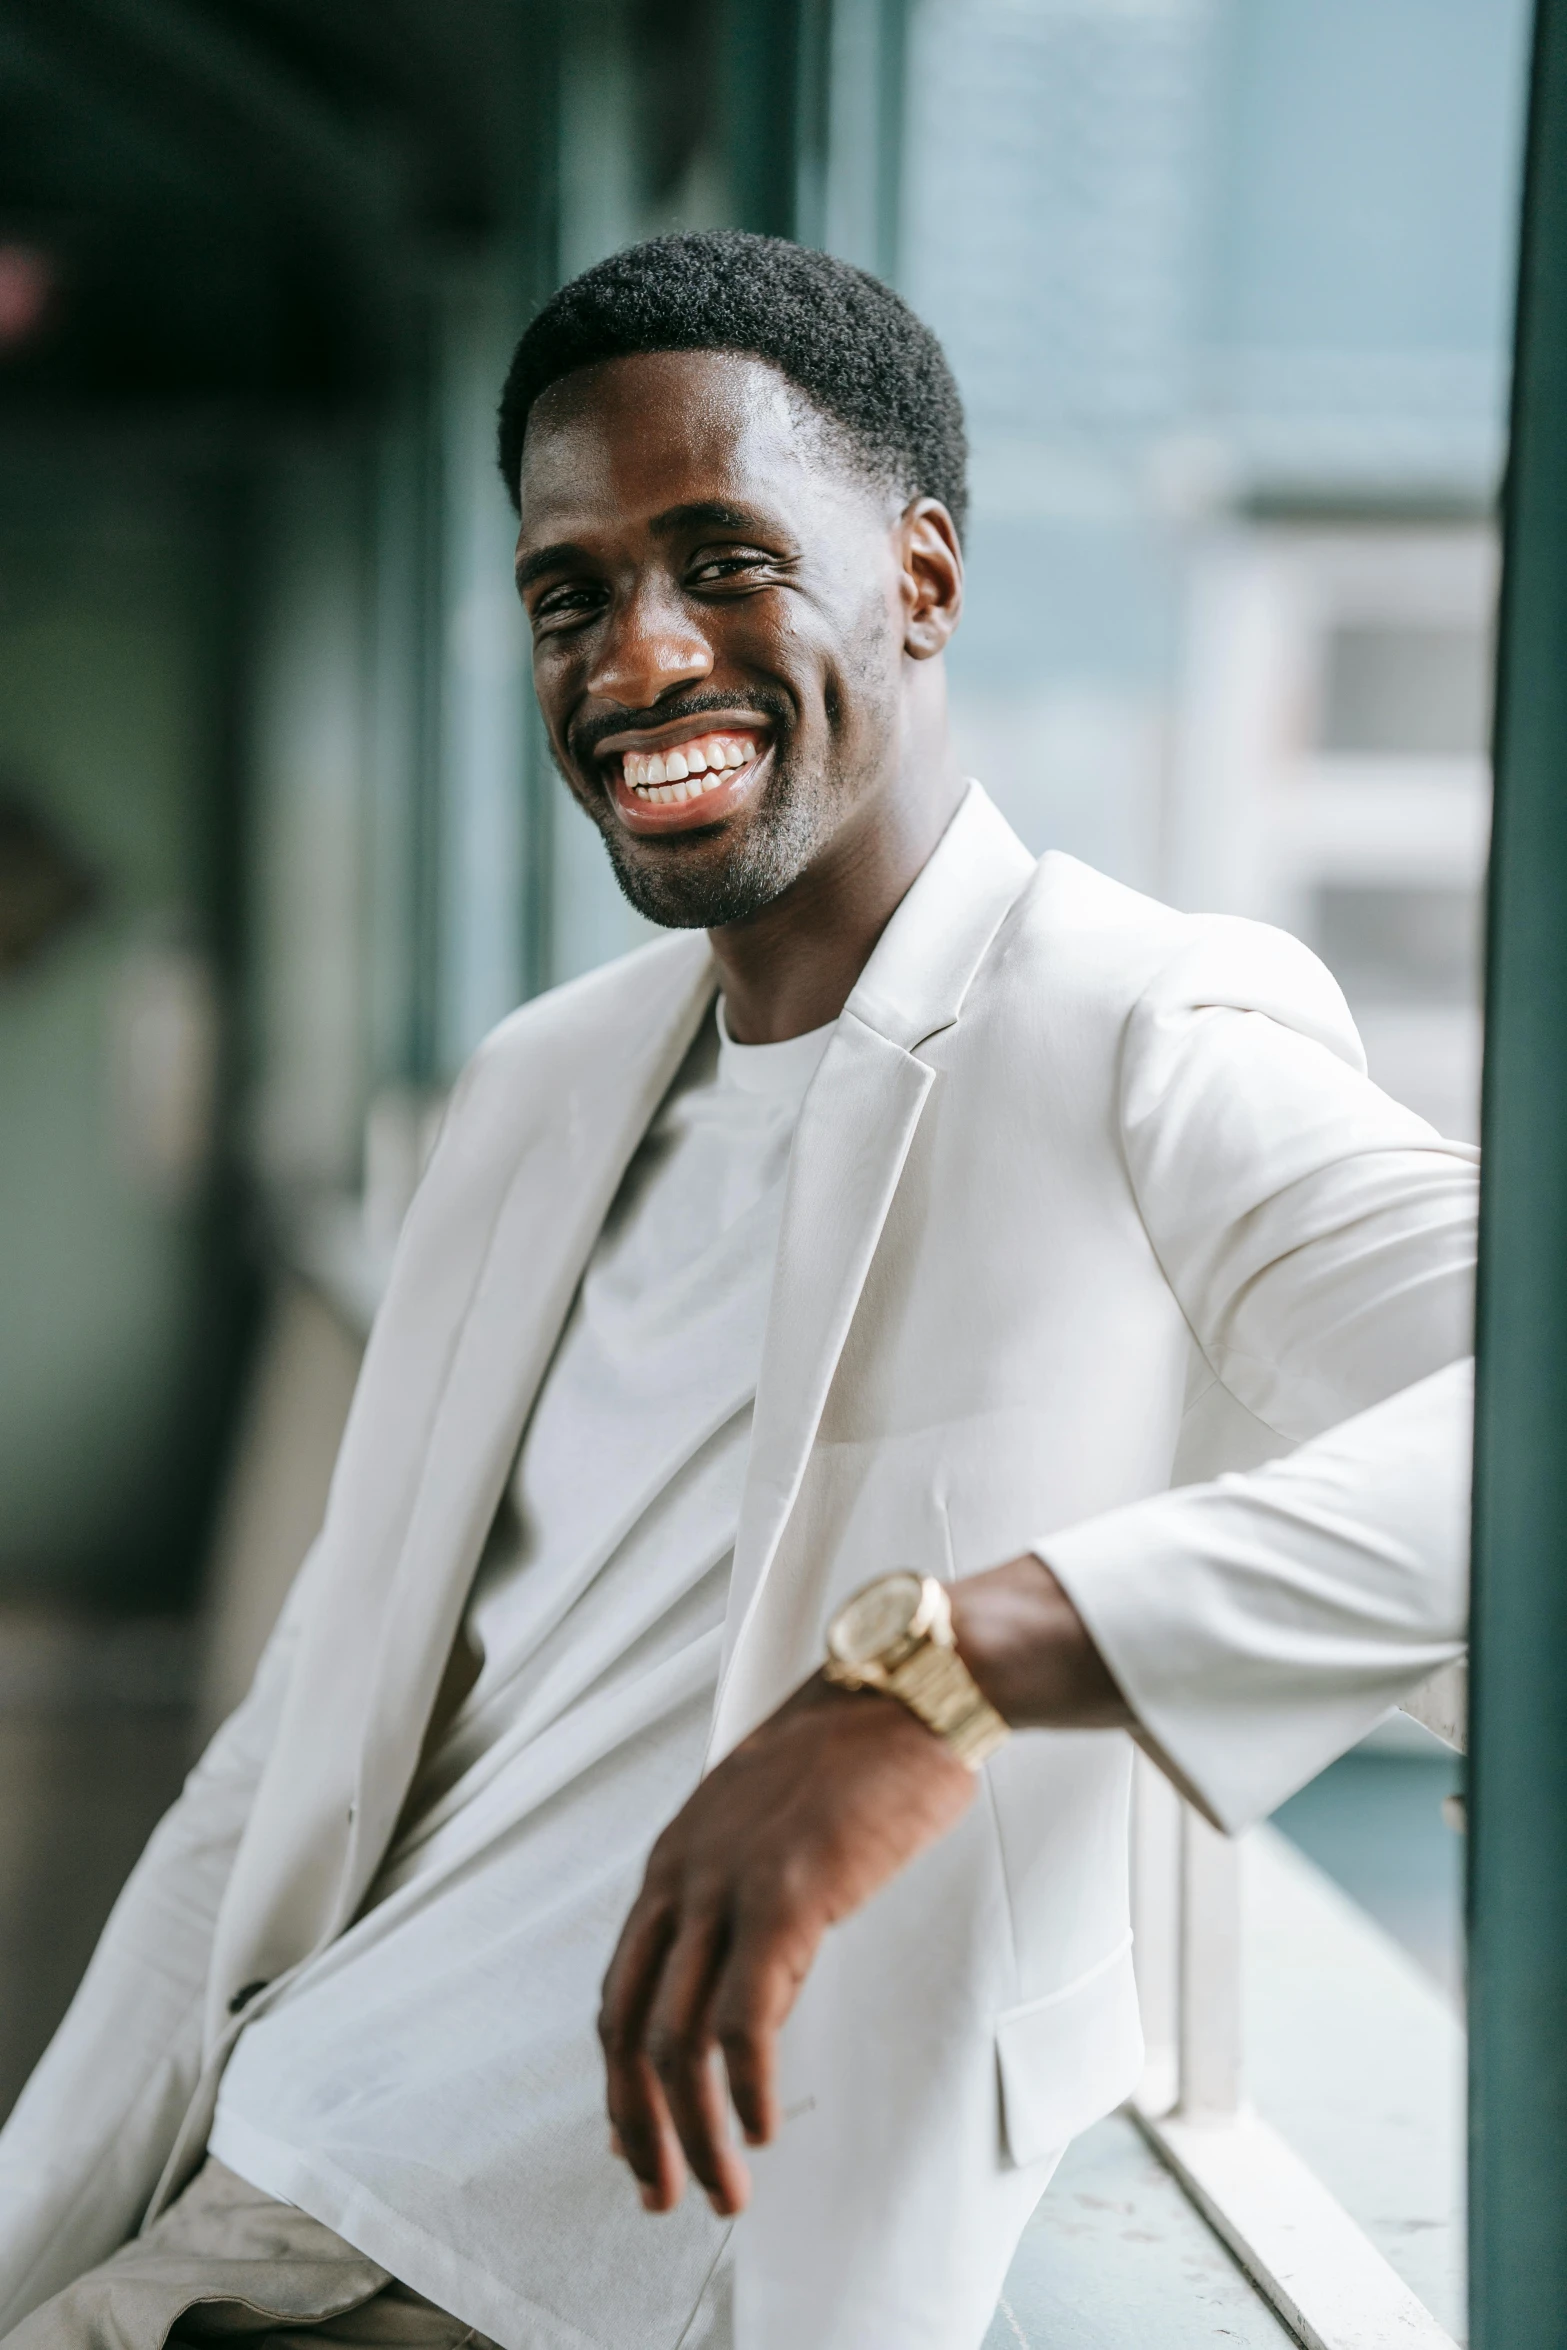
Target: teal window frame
(1517,1893)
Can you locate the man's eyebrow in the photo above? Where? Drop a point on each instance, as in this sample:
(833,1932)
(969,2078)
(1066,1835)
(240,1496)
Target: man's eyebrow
(696,514)
(711,512)
(556,558)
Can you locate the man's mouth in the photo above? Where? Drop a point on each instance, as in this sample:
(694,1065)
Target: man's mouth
(666,781)
(689,770)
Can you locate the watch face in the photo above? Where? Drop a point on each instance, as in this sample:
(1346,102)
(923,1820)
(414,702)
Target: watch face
(875,1619)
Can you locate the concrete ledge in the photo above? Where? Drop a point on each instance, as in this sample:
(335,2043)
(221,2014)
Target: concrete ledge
(1316,2266)
(1356,2059)
(1116,2258)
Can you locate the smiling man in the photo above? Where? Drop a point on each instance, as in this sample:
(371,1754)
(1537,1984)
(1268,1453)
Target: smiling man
(753,1549)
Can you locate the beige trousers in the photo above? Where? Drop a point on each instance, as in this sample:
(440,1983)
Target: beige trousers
(226,2263)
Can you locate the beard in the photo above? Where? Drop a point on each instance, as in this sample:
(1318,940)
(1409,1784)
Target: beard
(676,887)
(697,882)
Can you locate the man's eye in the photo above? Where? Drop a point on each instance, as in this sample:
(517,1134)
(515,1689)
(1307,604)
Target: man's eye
(565,603)
(713,570)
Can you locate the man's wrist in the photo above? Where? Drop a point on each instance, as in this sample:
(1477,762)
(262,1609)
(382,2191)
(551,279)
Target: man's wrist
(1030,1651)
(875,1716)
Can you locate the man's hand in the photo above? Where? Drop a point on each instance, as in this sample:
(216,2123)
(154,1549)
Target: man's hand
(792,1831)
(802,1823)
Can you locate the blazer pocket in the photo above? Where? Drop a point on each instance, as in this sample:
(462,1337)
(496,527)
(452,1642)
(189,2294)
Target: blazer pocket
(1069,2058)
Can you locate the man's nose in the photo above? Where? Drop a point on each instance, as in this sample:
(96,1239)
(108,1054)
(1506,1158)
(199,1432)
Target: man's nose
(650,647)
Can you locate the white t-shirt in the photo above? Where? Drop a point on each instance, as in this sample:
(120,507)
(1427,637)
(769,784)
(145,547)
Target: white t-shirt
(431,2087)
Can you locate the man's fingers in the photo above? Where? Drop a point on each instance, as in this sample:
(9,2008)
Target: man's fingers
(761,1978)
(679,2043)
(797,1827)
(639,2118)
(699,2105)
(644,2136)
(632,1976)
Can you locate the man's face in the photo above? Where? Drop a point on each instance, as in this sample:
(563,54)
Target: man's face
(719,608)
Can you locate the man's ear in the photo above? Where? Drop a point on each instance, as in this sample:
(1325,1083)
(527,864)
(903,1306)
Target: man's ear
(932,565)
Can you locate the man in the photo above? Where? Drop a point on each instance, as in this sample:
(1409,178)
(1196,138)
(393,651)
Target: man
(918,1225)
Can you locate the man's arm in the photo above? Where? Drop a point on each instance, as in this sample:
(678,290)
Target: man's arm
(1261,1625)
(87,2140)
(1269,1619)
(1320,1241)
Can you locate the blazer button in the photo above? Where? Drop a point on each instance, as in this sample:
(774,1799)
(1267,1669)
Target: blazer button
(243,1998)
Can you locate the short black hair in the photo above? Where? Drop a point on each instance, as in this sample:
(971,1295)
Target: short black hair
(848,342)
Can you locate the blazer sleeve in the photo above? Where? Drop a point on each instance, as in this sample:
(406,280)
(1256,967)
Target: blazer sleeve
(86,2142)
(1320,1240)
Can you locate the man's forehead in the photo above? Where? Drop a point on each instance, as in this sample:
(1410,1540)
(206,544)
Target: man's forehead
(642,434)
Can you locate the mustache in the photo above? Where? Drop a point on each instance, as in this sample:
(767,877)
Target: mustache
(583,740)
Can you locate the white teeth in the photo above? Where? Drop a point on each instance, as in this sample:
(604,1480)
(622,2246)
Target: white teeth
(662,794)
(665,778)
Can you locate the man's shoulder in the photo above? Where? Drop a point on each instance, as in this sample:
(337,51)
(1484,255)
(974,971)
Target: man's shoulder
(1079,938)
(569,1054)
(1074,907)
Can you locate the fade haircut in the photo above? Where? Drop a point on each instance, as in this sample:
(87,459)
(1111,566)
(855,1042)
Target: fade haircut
(851,345)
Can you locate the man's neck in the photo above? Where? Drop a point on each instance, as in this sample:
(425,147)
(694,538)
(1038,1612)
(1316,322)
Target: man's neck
(792,967)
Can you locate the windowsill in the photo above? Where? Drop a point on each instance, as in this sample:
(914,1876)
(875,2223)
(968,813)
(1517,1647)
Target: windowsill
(1339,2183)
(1356,2057)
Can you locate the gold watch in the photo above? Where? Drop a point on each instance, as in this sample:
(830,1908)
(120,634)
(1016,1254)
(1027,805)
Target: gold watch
(896,1635)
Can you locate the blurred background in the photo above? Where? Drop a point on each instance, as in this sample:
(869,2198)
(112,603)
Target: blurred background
(1227,286)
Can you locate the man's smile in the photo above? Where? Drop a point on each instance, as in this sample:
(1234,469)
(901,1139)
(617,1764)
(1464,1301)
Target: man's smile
(686,773)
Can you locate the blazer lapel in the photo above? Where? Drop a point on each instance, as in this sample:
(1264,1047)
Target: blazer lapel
(486,1277)
(856,1126)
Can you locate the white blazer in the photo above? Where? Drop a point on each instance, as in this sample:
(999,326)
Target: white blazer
(1086,1198)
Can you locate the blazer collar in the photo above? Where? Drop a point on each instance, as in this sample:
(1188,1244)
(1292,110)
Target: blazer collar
(919,972)
(856,1127)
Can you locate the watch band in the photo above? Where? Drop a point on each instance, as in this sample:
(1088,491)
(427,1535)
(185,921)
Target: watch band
(937,1685)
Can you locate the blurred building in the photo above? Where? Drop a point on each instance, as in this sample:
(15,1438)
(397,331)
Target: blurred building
(1226,283)
(1229,289)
